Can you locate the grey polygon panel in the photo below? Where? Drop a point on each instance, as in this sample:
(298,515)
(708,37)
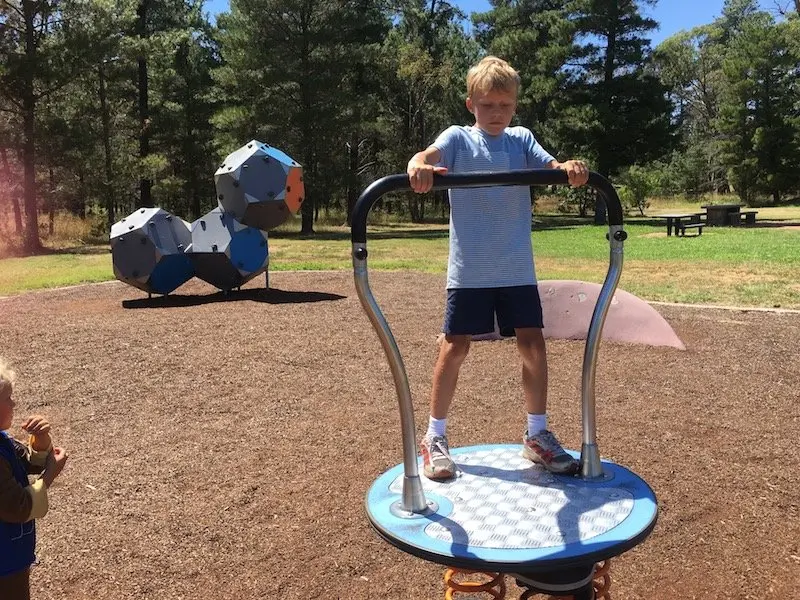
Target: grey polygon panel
(226,253)
(259,185)
(147,249)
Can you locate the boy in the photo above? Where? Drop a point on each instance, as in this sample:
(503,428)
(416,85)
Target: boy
(20,501)
(490,269)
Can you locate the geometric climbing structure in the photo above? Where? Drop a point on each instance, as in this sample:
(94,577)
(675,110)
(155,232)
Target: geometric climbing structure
(226,253)
(259,185)
(147,250)
(258,188)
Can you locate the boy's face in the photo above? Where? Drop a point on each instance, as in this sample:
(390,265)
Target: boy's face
(6,410)
(493,110)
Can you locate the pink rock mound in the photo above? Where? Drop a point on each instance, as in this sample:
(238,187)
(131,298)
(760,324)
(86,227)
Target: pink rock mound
(568,307)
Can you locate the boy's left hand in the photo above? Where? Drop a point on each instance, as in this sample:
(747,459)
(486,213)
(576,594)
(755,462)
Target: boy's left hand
(39,429)
(577,172)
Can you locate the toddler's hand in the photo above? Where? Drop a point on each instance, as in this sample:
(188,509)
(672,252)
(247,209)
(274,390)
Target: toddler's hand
(55,463)
(39,429)
(420,175)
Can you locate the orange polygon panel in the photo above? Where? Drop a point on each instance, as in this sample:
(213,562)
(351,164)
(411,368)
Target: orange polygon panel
(295,190)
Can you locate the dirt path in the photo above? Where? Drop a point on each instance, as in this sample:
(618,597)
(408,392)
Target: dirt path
(222,449)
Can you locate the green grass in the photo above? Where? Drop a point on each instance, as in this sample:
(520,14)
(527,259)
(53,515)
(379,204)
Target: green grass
(54,270)
(757,266)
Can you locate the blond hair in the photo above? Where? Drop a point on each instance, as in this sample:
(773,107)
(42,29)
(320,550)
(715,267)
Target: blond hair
(490,74)
(7,378)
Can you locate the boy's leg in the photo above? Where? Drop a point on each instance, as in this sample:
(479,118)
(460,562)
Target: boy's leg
(452,352)
(532,350)
(469,312)
(521,308)
(436,460)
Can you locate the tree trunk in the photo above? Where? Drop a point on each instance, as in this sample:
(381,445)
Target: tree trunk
(12,190)
(51,203)
(307,208)
(194,194)
(106,122)
(32,242)
(352,175)
(145,184)
(307,135)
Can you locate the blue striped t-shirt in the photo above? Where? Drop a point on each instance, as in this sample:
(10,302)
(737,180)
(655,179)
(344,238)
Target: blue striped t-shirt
(490,228)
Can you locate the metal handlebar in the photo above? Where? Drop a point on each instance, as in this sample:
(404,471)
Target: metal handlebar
(413,499)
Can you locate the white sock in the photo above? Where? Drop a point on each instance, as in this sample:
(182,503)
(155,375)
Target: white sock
(536,423)
(436,427)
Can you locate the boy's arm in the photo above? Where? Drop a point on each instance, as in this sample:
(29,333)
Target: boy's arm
(38,460)
(33,460)
(20,504)
(430,156)
(421,169)
(538,157)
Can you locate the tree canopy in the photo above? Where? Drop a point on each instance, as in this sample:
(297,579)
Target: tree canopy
(107,105)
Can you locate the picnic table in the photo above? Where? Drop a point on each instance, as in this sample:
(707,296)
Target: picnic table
(680,222)
(723,214)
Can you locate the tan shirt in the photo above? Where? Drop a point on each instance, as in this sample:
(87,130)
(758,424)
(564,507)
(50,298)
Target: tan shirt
(20,504)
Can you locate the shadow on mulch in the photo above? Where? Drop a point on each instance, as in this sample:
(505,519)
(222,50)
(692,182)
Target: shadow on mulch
(270,296)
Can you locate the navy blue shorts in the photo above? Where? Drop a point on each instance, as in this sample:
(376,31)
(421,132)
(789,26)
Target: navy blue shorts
(471,311)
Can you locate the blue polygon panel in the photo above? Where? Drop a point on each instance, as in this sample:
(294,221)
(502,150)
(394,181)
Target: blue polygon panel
(259,185)
(171,272)
(225,252)
(249,251)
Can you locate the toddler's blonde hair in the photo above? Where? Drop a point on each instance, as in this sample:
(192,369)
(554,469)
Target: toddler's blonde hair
(7,377)
(490,74)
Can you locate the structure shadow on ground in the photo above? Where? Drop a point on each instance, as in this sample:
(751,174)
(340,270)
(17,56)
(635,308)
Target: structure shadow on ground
(269,296)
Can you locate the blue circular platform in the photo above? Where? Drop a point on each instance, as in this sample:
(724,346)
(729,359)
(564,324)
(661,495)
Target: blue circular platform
(504,513)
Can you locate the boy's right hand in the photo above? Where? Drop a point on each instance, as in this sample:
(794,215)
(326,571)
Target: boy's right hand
(54,465)
(420,175)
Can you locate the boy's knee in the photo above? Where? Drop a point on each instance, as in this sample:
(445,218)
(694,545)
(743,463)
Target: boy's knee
(531,342)
(455,347)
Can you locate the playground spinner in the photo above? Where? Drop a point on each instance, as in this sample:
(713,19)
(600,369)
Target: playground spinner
(502,515)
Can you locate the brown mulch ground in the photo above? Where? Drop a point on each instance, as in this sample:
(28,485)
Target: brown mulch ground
(223,449)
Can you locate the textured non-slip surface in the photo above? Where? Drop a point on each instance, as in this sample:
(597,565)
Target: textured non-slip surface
(221,448)
(500,500)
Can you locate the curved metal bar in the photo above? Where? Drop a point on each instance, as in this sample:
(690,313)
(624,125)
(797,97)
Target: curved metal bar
(590,465)
(413,499)
(413,496)
(398,183)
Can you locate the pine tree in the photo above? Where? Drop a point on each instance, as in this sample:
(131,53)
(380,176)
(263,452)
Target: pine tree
(536,37)
(759,115)
(288,78)
(627,121)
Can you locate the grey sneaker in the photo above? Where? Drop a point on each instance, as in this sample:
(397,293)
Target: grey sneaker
(436,461)
(544,449)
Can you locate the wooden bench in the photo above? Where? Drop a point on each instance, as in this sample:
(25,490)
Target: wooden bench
(682,227)
(749,216)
